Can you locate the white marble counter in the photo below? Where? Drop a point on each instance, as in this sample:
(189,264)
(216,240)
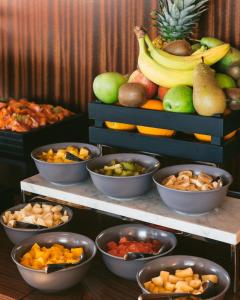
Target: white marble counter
(223,224)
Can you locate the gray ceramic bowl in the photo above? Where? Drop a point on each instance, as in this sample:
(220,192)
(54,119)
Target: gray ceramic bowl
(16,235)
(189,202)
(199,265)
(63,173)
(125,187)
(60,280)
(129,269)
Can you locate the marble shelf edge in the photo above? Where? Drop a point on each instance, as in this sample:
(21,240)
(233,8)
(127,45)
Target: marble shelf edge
(138,214)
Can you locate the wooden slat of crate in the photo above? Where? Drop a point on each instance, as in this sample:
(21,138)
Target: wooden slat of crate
(159,145)
(189,123)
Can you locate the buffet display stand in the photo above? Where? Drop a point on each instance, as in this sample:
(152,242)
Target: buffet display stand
(222,224)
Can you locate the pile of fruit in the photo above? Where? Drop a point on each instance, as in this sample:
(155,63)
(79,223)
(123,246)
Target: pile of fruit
(62,155)
(182,281)
(174,74)
(125,245)
(39,257)
(186,180)
(123,168)
(39,214)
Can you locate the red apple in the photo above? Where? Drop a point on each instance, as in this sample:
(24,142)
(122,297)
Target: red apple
(162,91)
(150,87)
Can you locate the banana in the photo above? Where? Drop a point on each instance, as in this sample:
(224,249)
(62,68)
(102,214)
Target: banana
(200,50)
(210,56)
(155,72)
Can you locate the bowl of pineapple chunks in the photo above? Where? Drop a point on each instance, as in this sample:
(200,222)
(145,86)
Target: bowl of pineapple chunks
(64,163)
(26,220)
(183,274)
(34,257)
(123,176)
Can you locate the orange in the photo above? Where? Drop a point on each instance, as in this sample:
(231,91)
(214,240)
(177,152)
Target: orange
(207,138)
(155,105)
(119,126)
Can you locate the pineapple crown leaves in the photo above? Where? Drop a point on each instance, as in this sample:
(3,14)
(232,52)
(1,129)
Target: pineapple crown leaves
(175,19)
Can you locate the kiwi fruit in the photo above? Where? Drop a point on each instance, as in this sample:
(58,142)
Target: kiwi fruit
(178,47)
(234,71)
(132,95)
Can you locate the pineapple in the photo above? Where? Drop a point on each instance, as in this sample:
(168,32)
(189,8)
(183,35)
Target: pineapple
(175,19)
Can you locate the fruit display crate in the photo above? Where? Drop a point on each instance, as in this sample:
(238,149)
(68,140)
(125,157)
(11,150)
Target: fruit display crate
(182,145)
(19,145)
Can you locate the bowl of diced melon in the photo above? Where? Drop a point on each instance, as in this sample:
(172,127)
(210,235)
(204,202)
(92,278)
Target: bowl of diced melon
(55,261)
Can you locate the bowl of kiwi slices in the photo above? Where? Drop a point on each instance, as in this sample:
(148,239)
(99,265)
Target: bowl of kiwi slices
(123,176)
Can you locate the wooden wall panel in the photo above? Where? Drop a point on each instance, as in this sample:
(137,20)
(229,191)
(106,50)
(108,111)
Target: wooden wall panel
(51,50)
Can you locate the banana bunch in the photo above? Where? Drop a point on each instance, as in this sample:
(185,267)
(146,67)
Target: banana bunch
(169,70)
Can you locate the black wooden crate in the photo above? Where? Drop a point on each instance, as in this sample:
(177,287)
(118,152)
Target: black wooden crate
(19,145)
(181,145)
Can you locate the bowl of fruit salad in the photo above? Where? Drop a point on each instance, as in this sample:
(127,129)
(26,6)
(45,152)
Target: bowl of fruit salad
(123,176)
(118,243)
(64,163)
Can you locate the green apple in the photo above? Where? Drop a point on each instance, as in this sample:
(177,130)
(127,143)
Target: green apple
(179,99)
(106,86)
(225,81)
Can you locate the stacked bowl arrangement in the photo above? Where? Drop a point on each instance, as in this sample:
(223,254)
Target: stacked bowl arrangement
(47,257)
(190,189)
(53,261)
(173,76)
(131,251)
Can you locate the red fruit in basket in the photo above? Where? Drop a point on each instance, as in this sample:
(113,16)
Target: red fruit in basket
(150,87)
(162,92)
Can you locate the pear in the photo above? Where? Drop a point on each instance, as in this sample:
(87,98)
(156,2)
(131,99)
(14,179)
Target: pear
(208,97)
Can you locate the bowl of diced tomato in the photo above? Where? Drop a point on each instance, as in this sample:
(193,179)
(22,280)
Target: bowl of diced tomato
(115,242)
